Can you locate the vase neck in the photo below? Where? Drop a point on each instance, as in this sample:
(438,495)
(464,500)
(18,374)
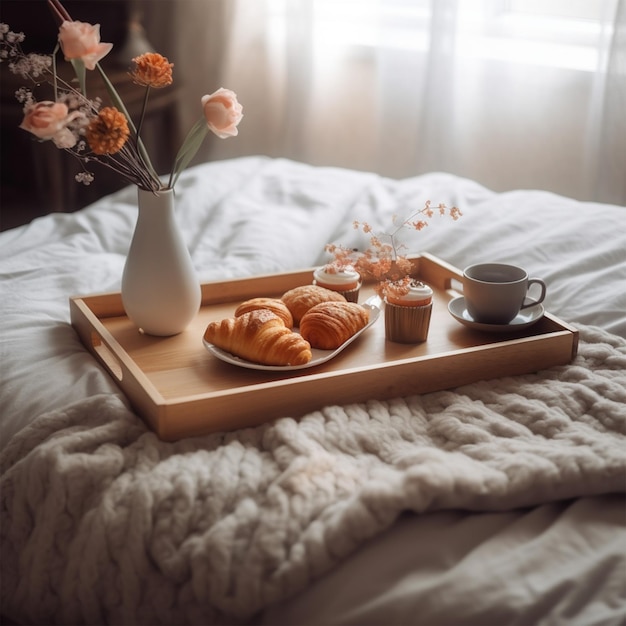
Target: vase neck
(156,212)
(148,199)
(161,203)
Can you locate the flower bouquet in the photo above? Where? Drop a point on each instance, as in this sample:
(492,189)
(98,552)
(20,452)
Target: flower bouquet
(159,289)
(104,134)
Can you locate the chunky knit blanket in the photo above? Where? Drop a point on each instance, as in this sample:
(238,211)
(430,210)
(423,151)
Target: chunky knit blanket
(104,523)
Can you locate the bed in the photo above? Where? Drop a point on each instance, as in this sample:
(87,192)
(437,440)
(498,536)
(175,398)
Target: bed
(498,502)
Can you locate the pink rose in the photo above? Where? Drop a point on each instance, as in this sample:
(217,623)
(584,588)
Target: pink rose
(222,112)
(45,119)
(48,120)
(80,40)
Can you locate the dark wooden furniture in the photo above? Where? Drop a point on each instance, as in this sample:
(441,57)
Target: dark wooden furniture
(37,177)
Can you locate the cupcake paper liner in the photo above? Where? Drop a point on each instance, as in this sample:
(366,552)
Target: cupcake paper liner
(407,324)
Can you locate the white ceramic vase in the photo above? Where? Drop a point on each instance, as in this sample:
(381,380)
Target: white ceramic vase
(160,289)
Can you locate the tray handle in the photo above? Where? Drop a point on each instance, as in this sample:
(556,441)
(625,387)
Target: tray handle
(440,274)
(105,355)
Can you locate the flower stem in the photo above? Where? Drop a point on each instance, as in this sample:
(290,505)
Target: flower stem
(120,105)
(59,11)
(144,106)
(188,150)
(54,72)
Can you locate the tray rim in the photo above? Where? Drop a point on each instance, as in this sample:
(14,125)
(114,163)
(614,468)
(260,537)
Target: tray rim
(87,311)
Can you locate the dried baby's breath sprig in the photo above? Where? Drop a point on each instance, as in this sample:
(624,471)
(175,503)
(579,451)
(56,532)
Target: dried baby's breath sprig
(382,261)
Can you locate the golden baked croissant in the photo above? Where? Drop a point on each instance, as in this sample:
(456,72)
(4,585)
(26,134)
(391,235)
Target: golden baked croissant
(273,304)
(300,299)
(259,336)
(329,324)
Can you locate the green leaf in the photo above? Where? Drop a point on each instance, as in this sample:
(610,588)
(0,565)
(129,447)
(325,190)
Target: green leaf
(115,97)
(81,74)
(188,150)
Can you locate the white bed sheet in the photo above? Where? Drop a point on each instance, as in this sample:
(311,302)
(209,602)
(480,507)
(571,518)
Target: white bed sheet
(255,216)
(557,562)
(553,564)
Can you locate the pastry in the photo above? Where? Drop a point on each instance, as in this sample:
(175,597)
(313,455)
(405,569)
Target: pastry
(344,280)
(329,324)
(408,306)
(259,336)
(273,304)
(300,299)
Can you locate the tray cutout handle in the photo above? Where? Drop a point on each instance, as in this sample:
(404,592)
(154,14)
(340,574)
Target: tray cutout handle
(454,284)
(106,356)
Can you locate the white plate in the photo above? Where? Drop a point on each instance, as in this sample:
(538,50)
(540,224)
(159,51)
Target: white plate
(524,319)
(319,356)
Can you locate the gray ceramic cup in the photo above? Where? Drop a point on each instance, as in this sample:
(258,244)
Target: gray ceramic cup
(496,292)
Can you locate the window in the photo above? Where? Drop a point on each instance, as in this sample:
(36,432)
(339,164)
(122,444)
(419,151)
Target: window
(558,33)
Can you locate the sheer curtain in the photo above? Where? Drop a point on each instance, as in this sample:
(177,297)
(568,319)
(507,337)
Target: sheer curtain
(511,93)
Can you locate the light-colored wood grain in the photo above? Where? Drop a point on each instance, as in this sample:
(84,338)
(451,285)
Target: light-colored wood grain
(181,390)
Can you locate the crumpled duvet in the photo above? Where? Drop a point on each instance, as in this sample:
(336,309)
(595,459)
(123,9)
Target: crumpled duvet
(216,528)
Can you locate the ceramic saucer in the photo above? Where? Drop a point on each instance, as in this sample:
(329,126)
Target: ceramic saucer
(524,319)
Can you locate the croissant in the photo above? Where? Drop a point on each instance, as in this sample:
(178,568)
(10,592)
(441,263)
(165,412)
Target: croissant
(329,324)
(300,299)
(259,336)
(273,304)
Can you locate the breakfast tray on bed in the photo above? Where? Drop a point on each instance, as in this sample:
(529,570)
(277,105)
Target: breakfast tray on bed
(182,390)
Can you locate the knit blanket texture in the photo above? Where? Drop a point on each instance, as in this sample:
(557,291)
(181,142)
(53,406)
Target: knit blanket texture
(104,523)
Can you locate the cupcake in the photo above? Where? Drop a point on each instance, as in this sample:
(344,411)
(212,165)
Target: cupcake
(408,305)
(344,280)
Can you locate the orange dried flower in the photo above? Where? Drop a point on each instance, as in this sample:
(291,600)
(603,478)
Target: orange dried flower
(152,70)
(108,132)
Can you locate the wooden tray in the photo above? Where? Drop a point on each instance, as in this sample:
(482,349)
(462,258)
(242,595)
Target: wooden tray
(181,390)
